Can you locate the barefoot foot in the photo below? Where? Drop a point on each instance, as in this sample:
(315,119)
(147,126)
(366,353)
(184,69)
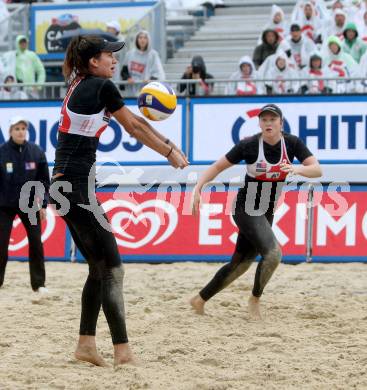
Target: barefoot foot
(254,308)
(123,355)
(89,354)
(197,303)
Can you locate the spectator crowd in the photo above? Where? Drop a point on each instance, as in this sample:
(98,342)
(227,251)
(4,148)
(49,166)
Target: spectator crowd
(321,48)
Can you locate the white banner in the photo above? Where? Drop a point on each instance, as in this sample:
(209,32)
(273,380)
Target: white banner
(115,144)
(334,129)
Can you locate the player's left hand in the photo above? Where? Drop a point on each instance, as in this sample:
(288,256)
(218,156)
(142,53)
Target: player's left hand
(195,201)
(291,169)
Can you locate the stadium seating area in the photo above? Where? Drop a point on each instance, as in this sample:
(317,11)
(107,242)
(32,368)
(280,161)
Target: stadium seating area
(226,38)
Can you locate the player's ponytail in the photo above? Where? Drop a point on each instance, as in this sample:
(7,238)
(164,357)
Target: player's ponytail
(76,59)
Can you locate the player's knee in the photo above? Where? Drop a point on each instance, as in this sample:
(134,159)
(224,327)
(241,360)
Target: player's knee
(114,274)
(274,256)
(95,271)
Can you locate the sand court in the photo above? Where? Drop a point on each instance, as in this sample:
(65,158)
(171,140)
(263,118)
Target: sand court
(313,336)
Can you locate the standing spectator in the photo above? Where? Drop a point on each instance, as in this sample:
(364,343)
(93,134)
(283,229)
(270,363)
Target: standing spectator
(314,74)
(20,162)
(28,66)
(269,45)
(247,73)
(341,63)
(352,44)
(301,46)
(277,23)
(282,76)
(141,64)
(335,26)
(197,71)
(113,28)
(310,23)
(11,93)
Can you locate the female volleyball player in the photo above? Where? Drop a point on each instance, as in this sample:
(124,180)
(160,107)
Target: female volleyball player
(269,157)
(89,103)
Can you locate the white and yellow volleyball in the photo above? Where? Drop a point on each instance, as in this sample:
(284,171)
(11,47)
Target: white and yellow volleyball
(157,101)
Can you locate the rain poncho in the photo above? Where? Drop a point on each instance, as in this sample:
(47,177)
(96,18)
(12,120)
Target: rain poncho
(311,27)
(12,93)
(320,10)
(279,85)
(332,28)
(355,12)
(265,49)
(141,65)
(248,85)
(301,49)
(315,83)
(342,64)
(357,47)
(29,67)
(362,86)
(281,28)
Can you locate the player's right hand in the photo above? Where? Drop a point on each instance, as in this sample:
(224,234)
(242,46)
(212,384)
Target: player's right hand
(178,159)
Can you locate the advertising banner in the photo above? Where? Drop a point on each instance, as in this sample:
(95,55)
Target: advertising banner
(115,146)
(56,241)
(50,22)
(157,225)
(340,225)
(334,128)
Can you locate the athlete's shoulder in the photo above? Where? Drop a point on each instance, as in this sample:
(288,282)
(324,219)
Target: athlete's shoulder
(250,139)
(96,82)
(291,138)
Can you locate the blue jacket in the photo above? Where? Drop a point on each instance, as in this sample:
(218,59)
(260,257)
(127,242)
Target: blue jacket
(19,164)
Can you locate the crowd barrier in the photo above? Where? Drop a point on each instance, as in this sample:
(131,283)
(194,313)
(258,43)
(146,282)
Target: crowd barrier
(157,226)
(218,87)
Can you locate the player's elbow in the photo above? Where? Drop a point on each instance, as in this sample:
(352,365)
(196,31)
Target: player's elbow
(317,171)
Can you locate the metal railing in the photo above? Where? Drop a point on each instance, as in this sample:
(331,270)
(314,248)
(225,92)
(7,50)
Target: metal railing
(57,90)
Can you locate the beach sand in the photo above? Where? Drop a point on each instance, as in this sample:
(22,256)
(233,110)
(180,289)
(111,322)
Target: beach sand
(313,336)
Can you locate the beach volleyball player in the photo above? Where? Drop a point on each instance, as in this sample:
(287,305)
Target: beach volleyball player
(90,101)
(269,156)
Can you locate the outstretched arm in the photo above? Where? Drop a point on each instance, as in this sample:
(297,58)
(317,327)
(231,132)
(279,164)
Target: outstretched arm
(158,134)
(140,129)
(210,174)
(310,168)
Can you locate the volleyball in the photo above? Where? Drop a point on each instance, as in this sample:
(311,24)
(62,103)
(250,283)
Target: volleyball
(157,101)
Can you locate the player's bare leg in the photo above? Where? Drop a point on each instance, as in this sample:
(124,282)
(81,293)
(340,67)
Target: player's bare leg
(254,307)
(123,354)
(86,351)
(198,303)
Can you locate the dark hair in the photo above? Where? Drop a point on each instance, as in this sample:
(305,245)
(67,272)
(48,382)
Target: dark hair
(137,40)
(76,61)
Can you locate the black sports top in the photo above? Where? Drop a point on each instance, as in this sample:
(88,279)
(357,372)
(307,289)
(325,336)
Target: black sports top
(85,114)
(263,163)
